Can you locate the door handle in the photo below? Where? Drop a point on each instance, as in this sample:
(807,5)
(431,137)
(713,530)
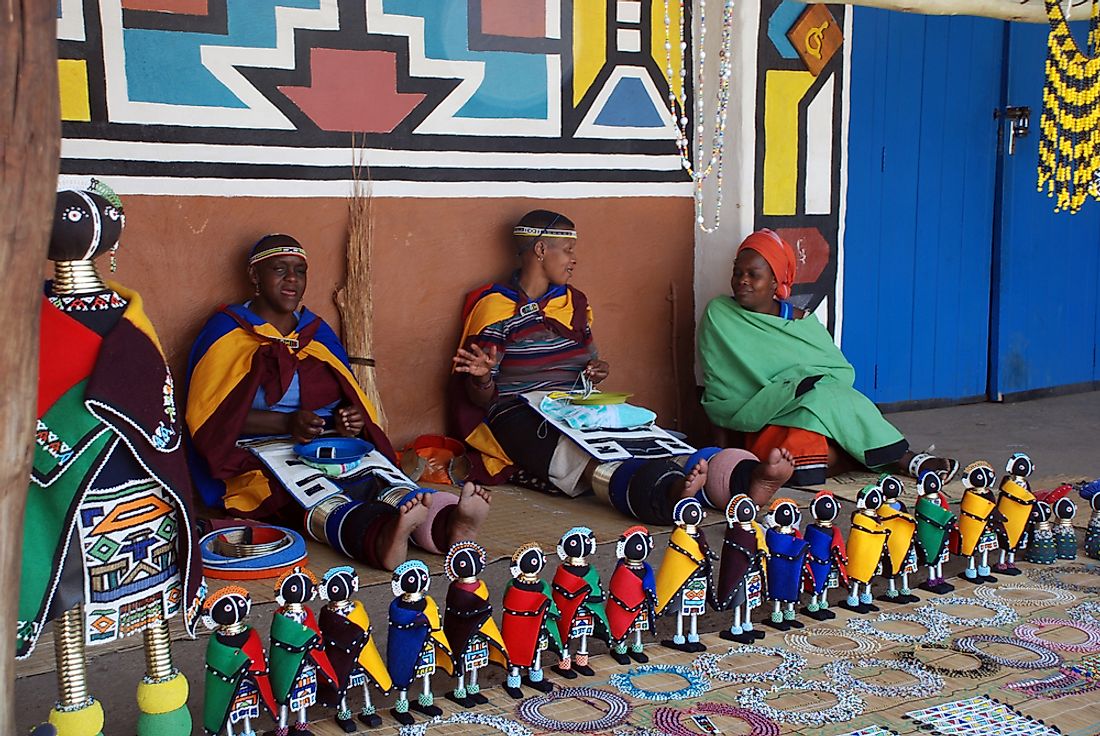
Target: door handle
(1019,121)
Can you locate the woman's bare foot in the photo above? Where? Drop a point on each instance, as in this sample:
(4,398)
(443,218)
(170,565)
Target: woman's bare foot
(694,480)
(393,540)
(770,475)
(470,511)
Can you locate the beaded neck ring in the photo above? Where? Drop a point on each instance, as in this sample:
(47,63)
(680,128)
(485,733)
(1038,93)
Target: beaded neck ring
(986,666)
(499,723)
(800,640)
(789,668)
(848,705)
(994,595)
(1030,632)
(697,684)
(1053,577)
(936,629)
(927,682)
(1046,658)
(618,710)
(671,720)
(1002,614)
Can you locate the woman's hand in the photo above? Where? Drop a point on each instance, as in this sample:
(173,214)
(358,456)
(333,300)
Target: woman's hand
(305,425)
(477,362)
(349,421)
(597,370)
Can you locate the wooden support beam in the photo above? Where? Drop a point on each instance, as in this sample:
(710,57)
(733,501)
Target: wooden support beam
(30,128)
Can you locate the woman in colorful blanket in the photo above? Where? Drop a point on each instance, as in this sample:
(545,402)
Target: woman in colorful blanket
(534,333)
(270,367)
(774,373)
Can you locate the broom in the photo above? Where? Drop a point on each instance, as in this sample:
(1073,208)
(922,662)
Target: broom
(353,299)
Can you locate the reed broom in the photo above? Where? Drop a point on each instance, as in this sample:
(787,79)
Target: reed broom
(354,299)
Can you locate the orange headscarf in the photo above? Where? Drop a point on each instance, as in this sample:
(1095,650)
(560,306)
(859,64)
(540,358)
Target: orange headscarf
(778,253)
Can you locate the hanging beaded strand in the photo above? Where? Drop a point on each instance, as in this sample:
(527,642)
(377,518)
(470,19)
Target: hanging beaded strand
(677,103)
(1069,144)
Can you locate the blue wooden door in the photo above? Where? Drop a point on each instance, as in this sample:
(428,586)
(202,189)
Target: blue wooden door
(920,204)
(1046,326)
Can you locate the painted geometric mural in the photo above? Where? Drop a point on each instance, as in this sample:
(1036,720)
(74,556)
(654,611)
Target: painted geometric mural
(800,97)
(173,94)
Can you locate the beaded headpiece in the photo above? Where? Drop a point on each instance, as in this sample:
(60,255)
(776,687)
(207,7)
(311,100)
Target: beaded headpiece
(344,571)
(682,506)
(861,496)
(538,232)
(219,595)
(456,551)
(271,246)
(1025,466)
(522,551)
(582,531)
(286,576)
(734,502)
(987,477)
(821,495)
(620,546)
(404,567)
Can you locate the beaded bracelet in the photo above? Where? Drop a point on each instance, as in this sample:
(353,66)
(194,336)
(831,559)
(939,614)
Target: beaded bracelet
(800,640)
(1030,632)
(697,684)
(256,562)
(927,683)
(791,666)
(618,710)
(993,595)
(505,725)
(1002,615)
(986,666)
(1047,658)
(670,720)
(936,627)
(848,705)
(1052,576)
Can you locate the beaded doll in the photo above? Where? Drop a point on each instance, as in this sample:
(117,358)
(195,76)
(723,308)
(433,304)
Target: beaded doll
(468,622)
(1040,536)
(1014,503)
(417,645)
(683,577)
(1064,510)
(529,622)
(866,548)
(579,597)
(297,654)
(740,573)
(237,682)
(1091,493)
(901,558)
(632,595)
(979,521)
(787,563)
(351,649)
(935,523)
(827,556)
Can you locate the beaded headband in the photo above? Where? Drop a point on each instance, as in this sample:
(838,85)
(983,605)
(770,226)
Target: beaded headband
(271,246)
(538,232)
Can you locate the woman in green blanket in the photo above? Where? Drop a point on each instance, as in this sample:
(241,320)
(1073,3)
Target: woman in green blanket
(774,373)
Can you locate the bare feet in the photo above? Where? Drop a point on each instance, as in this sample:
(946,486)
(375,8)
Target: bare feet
(770,475)
(393,541)
(694,480)
(470,511)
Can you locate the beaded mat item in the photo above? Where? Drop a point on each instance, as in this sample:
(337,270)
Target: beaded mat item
(956,692)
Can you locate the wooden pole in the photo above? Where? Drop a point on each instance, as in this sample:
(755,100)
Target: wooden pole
(30,130)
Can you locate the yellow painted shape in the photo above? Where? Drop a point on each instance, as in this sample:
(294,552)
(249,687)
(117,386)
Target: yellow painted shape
(657,46)
(589,44)
(72,78)
(784,90)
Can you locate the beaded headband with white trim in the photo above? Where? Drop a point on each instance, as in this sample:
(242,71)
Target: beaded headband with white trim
(538,232)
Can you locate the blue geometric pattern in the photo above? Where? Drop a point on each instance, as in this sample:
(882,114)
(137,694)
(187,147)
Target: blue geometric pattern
(630,105)
(780,22)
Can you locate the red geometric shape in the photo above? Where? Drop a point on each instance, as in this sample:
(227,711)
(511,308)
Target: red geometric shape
(811,252)
(353,91)
(67,354)
(182,7)
(515,18)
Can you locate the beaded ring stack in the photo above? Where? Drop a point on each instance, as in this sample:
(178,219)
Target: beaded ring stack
(935,625)
(848,705)
(504,725)
(800,640)
(1053,577)
(986,666)
(791,666)
(1029,632)
(1002,615)
(1046,657)
(670,720)
(927,682)
(697,684)
(618,710)
(993,595)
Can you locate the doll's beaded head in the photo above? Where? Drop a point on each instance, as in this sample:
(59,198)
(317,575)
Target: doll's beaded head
(634,545)
(339,584)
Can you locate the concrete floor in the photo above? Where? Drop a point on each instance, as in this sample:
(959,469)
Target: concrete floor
(1059,433)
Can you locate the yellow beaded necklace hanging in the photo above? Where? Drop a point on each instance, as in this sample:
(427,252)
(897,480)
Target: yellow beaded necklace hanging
(1069,148)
